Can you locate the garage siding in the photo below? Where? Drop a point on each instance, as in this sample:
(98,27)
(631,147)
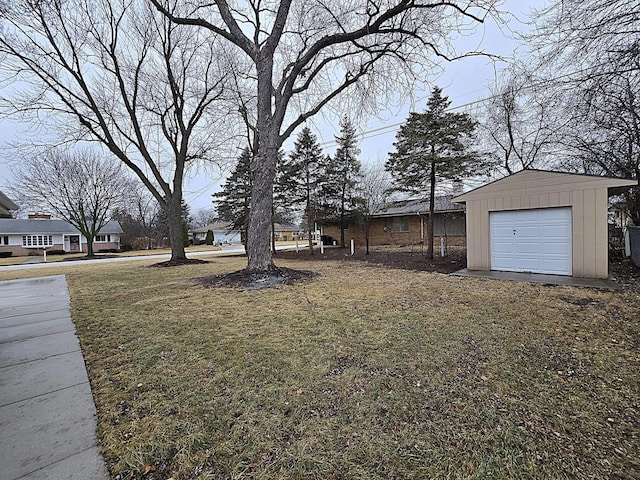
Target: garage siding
(534,189)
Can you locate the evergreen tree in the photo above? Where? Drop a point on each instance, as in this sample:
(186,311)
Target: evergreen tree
(232,203)
(431,147)
(302,177)
(281,206)
(343,173)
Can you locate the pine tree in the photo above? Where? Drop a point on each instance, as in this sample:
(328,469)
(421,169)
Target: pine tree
(282,202)
(431,147)
(302,177)
(232,203)
(343,173)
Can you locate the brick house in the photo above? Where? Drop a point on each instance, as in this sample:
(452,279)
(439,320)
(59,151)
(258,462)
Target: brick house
(286,233)
(27,237)
(405,223)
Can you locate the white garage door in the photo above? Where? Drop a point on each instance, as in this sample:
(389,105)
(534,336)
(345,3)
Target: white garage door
(537,241)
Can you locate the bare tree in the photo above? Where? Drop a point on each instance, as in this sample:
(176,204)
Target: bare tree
(601,37)
(520,122)
(138,216)
(373,187)
(119,73)
(601,97)
(82,188)
(295,58)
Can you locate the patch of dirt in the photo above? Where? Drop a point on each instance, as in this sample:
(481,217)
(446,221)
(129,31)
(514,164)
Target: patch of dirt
(177,263)
(392,257)
(246,280)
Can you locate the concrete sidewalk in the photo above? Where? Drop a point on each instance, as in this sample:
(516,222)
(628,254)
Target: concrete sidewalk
(47,414)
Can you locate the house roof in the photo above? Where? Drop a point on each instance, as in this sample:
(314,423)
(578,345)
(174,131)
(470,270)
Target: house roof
(280,227)
(530,181)
(412,207)
(215,227)
(41,226)
(6,205)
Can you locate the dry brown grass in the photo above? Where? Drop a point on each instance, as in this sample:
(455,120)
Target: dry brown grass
(361,372)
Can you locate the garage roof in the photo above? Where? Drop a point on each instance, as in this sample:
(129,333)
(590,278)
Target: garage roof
(532,181)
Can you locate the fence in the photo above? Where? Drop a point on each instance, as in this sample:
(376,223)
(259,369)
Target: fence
(634,243)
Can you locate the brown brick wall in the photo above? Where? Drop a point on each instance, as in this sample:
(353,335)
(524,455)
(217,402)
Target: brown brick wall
(101,246)
(20,251)
(380,232)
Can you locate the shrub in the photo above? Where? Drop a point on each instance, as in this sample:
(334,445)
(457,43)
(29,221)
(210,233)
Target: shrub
(209,238)
(56,252)
(5,254)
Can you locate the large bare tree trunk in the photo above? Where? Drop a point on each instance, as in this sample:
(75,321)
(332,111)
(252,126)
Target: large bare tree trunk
(259,256)
(263,171)
(90,247)
(174,219)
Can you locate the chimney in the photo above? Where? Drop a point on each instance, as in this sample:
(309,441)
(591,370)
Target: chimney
(39,216)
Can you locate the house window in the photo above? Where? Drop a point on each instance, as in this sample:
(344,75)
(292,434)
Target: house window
(36,241)
(103,238)
(400,224)
(4,240)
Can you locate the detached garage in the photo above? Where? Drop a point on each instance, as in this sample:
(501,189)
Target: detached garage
(541,222)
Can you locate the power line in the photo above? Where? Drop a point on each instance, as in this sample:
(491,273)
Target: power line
(391,127)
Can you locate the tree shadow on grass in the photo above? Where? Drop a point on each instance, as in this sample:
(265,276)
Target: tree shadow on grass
(178,263)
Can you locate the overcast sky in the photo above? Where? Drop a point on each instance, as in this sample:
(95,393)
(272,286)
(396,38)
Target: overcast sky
(463,81)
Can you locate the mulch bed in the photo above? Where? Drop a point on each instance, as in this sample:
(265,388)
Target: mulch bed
(625,273)
(622,269)
(178,263)
(400,258)
(246,280)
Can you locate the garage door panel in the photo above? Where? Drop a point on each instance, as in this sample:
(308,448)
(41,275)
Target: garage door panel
(551,215)
(502,262)
(555,266)
(557,249)
(503,232)
(501,248)
(536,240)
(527,231)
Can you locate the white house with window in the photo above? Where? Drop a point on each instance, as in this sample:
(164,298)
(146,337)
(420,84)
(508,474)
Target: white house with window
(27,237)
(222,233)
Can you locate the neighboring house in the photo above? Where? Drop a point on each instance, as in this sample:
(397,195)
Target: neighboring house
(541,222)
(286,233)
(618,215)
(222,233)
(6,205)
(25,237)
(405,223)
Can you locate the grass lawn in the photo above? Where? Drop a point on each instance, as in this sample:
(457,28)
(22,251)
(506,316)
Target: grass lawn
(363,372)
